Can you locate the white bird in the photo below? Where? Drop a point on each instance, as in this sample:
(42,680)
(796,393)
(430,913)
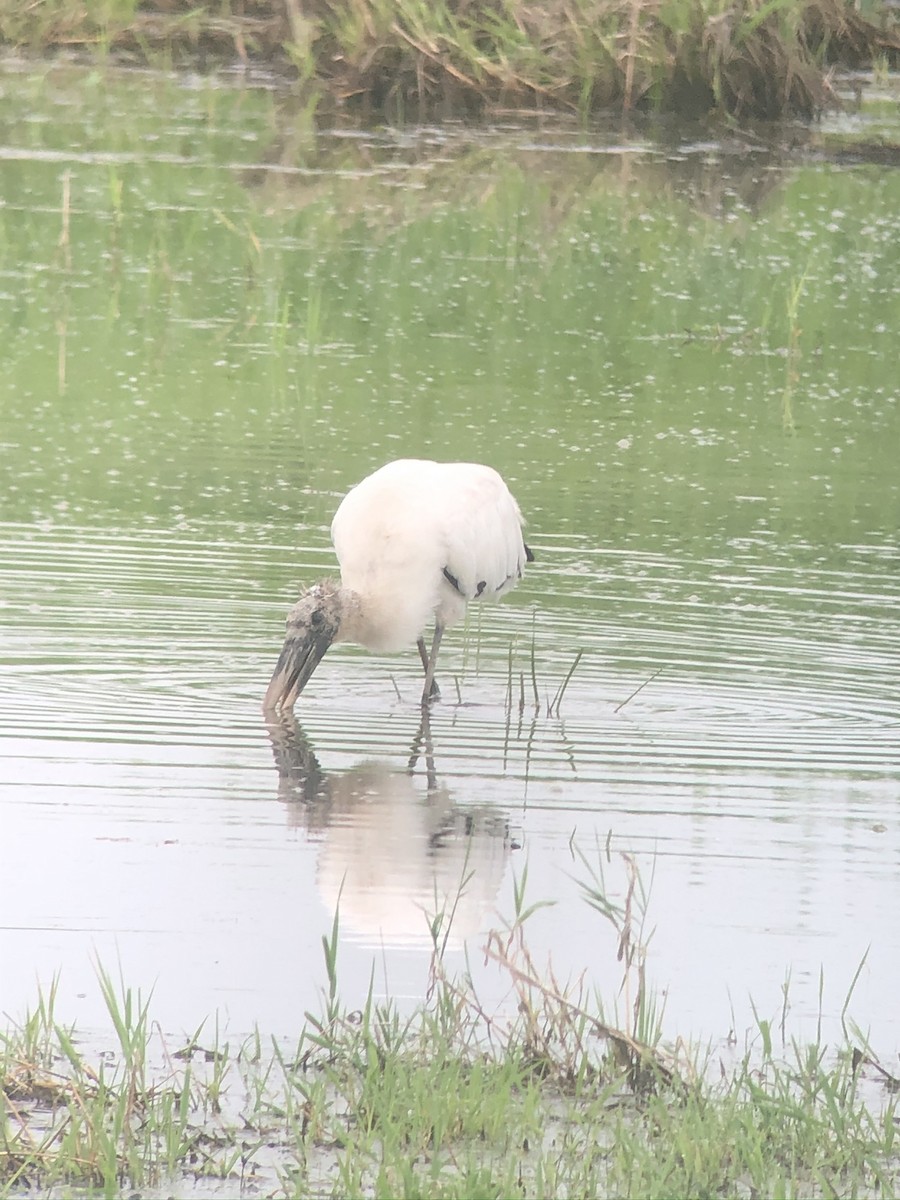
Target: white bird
(415,540)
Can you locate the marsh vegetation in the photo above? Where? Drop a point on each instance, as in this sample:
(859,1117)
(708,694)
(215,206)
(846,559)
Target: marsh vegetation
(412,60)
(547,1096)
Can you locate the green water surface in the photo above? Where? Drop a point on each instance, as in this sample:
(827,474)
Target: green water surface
(680,352)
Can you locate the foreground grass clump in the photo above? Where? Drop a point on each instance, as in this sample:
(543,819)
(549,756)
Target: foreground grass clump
(445,1102)
(758,58)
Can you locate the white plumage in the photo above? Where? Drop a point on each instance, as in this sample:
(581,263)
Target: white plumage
(416,541)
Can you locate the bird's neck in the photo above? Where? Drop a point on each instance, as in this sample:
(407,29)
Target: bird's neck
(354,622)
(380,621)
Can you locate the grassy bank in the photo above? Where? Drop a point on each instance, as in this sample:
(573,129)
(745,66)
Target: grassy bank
(552,1099)
(761,58)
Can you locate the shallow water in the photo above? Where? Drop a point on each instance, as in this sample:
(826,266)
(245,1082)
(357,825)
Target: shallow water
(681,362)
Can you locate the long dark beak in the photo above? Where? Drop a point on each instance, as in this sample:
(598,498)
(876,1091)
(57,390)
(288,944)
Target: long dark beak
(300,655)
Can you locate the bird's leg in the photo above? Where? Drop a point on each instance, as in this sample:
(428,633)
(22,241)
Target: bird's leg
(423,654)
(435,692)
(431,691)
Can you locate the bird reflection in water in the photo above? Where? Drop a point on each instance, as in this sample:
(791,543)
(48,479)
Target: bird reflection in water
(392,856)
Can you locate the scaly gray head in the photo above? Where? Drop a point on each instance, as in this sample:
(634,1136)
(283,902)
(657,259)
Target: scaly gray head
(312,625)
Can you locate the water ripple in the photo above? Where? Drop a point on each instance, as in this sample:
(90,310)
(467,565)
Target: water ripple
(739,728)
(142,637)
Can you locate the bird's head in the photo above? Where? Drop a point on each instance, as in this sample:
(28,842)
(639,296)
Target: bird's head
(312,626)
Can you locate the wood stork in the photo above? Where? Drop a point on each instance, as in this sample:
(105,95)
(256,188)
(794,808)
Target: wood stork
(415,540)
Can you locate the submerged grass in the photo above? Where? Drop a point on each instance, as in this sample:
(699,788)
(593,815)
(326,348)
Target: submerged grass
(753,58)
(549,1097)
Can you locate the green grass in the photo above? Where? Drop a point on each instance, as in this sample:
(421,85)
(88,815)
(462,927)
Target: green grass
(550,1098)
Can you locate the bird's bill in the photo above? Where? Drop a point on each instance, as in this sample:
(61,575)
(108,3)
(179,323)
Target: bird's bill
(300,655)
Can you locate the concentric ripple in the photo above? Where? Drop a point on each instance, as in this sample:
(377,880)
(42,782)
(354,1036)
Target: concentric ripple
(740,728)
